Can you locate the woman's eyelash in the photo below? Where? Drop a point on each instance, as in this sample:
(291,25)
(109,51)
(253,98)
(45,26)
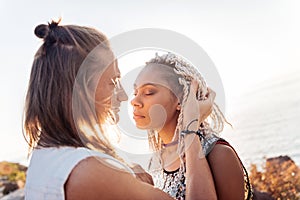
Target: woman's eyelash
(149,93)
(145,93)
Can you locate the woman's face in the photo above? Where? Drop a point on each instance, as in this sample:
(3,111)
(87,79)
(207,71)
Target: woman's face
(154,105)
(110,93)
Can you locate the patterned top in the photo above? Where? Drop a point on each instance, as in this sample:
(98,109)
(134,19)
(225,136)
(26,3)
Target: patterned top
(174,182)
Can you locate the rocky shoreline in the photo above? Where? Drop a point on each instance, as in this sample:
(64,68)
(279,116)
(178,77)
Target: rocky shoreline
(12,179)
(278,179)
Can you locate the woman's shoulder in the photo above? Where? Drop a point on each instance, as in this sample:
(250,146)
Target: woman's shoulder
(55,164)
(50,169)
(96,179)
(228,171)
(93,176)
(223,152)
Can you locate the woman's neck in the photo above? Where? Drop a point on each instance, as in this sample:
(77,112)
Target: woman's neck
(170,157)
(167,132)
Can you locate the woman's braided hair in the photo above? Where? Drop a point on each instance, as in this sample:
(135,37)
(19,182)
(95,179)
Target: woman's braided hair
(186,73)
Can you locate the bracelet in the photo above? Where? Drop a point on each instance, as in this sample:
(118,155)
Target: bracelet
(198,132)
(188,126)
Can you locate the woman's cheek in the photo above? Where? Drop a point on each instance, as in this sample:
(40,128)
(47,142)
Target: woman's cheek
(157,116)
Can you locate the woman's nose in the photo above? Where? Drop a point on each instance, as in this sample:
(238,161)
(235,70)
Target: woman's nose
(122,96)
(135,102)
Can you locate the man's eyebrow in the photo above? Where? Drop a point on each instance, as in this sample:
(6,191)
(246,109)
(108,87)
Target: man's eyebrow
(144,85)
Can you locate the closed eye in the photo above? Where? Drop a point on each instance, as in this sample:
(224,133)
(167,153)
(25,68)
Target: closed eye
(145,93)
(145,90)
(148,94)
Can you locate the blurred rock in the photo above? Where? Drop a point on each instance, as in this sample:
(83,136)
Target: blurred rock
(12,177)
(9,187)
(280,178)
(257,195)
(16,195)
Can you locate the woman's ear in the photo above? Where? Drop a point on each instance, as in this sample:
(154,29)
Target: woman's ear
(178,106)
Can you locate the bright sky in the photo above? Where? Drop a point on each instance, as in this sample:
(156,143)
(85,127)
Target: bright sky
(249,42)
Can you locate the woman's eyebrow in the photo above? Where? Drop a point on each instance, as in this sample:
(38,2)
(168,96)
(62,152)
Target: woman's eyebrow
(117,76)
(144,85)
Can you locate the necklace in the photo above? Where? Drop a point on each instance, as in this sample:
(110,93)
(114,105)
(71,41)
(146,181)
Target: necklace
(170,144)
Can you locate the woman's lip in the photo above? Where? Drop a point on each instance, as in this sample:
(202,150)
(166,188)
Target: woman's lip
(136,116)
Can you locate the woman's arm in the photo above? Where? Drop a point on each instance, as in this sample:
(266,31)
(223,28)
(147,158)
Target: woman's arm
(92,179)
(227,172)
(199,180)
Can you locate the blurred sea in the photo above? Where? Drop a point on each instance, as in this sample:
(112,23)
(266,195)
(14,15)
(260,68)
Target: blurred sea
(266,120)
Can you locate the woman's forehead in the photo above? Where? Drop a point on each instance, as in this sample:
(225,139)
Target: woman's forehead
(156,74)
(113,70)
(110,72)
(116,69)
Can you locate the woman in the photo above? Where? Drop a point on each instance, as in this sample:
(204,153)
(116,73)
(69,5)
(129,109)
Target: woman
(161,91)
(72,102)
